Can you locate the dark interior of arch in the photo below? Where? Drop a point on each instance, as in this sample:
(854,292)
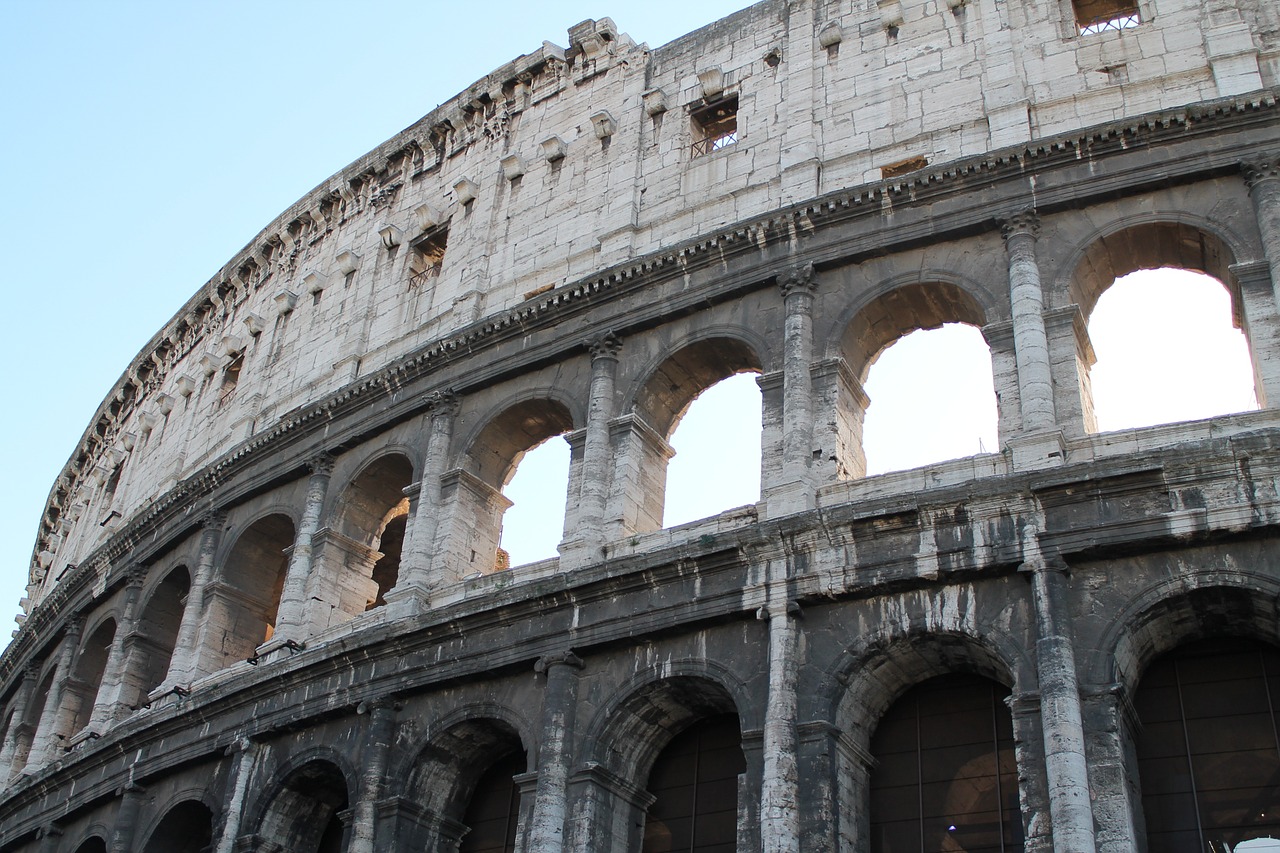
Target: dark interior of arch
(371,498)
(387,570)
(643,725)
(304,817)
(89,668)
(677,382)
(1207,746)
(256,567)
(161,619)
(1149,246)
(503,442)
(448,772)
(694,782)
(944,776)
(92,845)
(899,312)
(493,813)
(186,828)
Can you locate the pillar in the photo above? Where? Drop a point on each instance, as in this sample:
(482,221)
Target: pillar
(1070,358)
(1261,325)
(377,748)
(1110,764)
(1030,343)
(1066,768)
(638,482)
(795,492)
(1004,375)
(780,782)
(49,838)
(292,619)
(559,706)
(19,731)
(1028,754)
(1262,177)
(44,743)
(246,751)
(419,554)
(126,822)
(585,523)
(840,404)
(187,663)
(112,701)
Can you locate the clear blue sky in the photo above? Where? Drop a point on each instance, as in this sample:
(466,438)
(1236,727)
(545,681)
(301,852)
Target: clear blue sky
(147,143)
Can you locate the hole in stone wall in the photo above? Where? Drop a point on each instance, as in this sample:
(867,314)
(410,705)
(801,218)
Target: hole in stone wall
(717,444)
(932,399)
(534,525)
(1167,351)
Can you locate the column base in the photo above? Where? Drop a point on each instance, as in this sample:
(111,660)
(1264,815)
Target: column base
(1033,451)
(789,498)
(277,648)
(408,600)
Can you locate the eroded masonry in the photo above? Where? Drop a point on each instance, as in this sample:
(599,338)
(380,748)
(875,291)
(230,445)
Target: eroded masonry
(267,612)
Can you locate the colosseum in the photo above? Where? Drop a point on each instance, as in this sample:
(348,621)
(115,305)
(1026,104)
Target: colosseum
(267,611)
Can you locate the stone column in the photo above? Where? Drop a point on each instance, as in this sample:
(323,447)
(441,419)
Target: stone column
(1033,789)
(247,751)
(840,404)
(291,617)
(559,707)
(44,743)
(1106,710)
(1031,344)
(1066,768)
(49,838)
(638,482)
(1004,375)
(419,553)
(186,664)
(585,522)
(795,492)
(126,822)
(1070,358)
(780,782)
(19,728)
(1262,177)
(377,748)
(109,706)
(1261,324)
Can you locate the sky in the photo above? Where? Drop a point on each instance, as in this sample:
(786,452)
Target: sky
(148,142)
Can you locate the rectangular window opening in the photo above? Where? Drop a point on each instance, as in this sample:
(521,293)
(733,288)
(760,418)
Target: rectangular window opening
(1098,16)
(715,125)
(428,255)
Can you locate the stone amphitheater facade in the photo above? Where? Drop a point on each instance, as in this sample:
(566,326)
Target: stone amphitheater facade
(264,612)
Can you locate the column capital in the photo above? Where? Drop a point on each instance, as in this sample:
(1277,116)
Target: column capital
(605,345)
(31,671)
(565,658)
(321,463)
(444,403)
(213,520)
(797,279)
(135,575)
(1022,222)
(1259,169)
(74,625)
(379,703)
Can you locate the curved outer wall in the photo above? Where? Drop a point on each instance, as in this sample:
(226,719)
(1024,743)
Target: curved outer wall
(214,626)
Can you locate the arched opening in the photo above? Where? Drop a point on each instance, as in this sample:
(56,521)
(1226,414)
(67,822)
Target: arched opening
(86,680)
(186,828)
(361,564)
(694,785)
(1207,750)
(944,776)
(533,524)
(464,787)
(306,815)
(248,598)
(24,737)
(92,845)
(491,464)
(701,401)
(157,635)
(919,349)
(1167,350)
(1126,316)
(934,399)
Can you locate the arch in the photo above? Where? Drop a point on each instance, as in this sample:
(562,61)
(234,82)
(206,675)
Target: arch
(372,511)
(1150,241)
(446,770)
(92,844)
(669,387)
(186,827)
(247,597)
(82,689)
(496,448)
(304,812)
(157,635)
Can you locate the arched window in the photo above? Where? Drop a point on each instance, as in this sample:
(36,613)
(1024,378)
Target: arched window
(86,680)
(717,444)
(944,777)
(932,399)
(186,828)
(161,619)
(1167,350)
(694,782)
(1207,748)
(493,815)
(533,525)
(360,566)
(305,816)
(249,598)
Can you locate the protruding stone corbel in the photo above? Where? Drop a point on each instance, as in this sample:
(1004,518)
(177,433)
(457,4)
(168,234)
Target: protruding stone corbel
(391,236)
(655,102)
(347,261)
(712,82)
(830,35)
(553,149)
(164,403)
(604,124)
(254,324)
(211,363)
(465,190)
(315,283)
(512,166)
(230,345)
(286,301)
(425,217)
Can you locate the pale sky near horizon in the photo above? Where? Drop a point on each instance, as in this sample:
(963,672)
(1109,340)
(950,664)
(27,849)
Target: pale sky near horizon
(149,142)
